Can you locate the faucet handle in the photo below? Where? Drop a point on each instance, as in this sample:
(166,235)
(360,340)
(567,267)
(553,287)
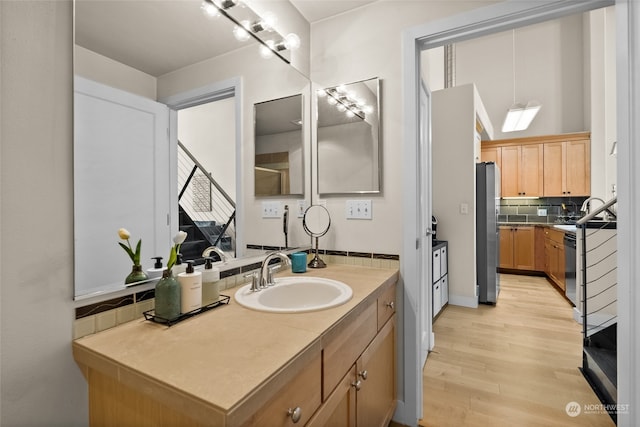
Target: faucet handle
(254,281)
(272,269)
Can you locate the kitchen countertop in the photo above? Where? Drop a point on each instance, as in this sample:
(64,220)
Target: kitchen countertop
(568,228)
(215,362)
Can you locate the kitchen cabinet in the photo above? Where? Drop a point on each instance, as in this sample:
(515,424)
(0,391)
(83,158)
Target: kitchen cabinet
(522,170)
(567,170)
(366,395)
(440,285)
(517,247)
(554,256)
(549,166)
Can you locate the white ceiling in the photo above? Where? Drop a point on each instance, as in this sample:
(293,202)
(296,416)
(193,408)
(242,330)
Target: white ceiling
(316,10)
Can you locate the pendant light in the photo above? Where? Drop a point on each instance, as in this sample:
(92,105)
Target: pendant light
(519,116)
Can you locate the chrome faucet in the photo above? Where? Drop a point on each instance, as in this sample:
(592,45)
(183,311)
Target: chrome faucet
(207,252)
(586,206)
(266,273)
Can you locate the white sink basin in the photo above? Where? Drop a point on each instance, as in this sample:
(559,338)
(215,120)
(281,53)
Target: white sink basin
(295,295)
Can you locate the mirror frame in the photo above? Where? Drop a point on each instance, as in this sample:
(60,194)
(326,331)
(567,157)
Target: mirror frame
(378,135)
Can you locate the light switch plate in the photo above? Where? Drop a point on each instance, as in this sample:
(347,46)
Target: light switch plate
(271,209)
(302,207)
(358,209)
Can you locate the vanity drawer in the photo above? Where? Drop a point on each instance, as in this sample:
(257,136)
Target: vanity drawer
(302,391)
(341,349)
(386,306)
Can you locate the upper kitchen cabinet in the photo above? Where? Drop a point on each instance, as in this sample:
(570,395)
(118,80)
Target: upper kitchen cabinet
(521,169)
(542,166)
(567,166)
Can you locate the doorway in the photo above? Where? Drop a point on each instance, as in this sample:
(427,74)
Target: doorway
(499,17)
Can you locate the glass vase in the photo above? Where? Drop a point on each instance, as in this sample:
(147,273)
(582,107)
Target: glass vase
(136,275)
(167,297)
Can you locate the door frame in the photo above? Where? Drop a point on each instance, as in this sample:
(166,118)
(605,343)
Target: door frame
(502,17)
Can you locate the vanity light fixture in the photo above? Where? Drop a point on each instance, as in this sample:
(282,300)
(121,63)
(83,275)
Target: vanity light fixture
(345,102)
(245,29)
(519,116)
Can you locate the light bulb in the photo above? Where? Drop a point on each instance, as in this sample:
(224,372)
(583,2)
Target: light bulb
(240,32)
(292,41)
(350,114)
(368,109)
(341,107)
(331,100)
(321,93)
(209,10)
(269,20)
(341,89)
(267,51)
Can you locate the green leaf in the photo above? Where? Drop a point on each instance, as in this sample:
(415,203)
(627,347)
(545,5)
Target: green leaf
(128,251)
(136,259)
(173,257)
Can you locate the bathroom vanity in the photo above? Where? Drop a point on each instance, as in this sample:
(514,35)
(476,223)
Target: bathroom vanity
(234,366)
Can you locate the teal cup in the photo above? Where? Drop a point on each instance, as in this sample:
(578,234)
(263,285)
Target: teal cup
(299,262)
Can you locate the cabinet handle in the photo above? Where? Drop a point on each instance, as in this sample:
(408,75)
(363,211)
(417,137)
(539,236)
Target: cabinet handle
(295,414)
(390,304)
(357,385)
(363,374)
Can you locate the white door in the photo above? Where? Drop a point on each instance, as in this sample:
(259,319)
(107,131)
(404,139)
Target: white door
(425,253)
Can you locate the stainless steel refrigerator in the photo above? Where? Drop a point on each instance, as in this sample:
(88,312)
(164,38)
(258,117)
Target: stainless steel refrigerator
(487,233)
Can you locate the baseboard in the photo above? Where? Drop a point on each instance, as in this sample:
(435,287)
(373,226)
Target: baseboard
(463,301)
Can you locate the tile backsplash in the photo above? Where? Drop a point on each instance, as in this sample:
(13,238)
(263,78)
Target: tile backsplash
(104,315)
(526,210)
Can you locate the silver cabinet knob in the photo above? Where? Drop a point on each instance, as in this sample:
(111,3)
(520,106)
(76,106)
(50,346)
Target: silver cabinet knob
(295,414)
(391,304)
(357,385)
(363,374)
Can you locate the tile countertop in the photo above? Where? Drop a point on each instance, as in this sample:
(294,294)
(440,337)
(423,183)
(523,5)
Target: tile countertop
(569,228)
(216,361)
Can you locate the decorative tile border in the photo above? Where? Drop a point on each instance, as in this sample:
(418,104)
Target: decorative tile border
(103,315)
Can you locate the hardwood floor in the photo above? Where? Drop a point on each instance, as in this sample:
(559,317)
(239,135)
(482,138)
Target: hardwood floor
(513,364)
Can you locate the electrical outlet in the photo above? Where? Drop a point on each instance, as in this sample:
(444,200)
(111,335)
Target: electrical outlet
(271,209)
(542,212)
(358,209)
(302,207)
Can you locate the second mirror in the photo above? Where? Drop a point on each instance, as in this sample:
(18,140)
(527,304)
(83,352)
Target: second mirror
(316,223)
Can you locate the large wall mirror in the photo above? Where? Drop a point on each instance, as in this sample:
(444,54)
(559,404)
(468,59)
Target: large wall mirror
(349,145)
(147,75)
(279,148)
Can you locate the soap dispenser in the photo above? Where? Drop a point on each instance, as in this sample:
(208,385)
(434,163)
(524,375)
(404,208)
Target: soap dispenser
(157,269)
(179,267)
(210,285)
(190,289)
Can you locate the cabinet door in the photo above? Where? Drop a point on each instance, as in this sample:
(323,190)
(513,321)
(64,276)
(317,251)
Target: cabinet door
(578,168)
(524,248)
(436,298)
(444,290)
(492,154)
(554,167)
(436,266)
(531,170)
(376,398)
(510,171)
(340,407)
(444,268)
(506,247)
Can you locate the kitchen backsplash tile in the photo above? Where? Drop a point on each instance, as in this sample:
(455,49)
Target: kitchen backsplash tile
(526,210)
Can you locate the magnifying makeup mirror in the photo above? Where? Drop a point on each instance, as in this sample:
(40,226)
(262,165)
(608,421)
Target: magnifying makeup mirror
(316,223)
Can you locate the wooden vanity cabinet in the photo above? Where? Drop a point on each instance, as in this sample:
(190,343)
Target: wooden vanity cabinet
(365,393)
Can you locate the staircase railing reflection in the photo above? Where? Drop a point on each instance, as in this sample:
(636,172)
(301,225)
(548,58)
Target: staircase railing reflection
(205,201)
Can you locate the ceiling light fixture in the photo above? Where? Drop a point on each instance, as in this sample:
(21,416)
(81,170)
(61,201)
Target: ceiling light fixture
(519,116)
(246,29)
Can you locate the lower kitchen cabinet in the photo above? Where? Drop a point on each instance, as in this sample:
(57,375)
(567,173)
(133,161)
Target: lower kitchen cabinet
(366,394)
(517,247)
(554,257)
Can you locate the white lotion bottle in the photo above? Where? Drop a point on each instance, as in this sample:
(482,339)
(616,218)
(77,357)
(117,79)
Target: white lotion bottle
(210,282)
(156,271)
(190,289)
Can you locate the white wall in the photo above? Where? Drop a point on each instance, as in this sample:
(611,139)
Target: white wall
(453,182)
(208,132)
(41,384)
